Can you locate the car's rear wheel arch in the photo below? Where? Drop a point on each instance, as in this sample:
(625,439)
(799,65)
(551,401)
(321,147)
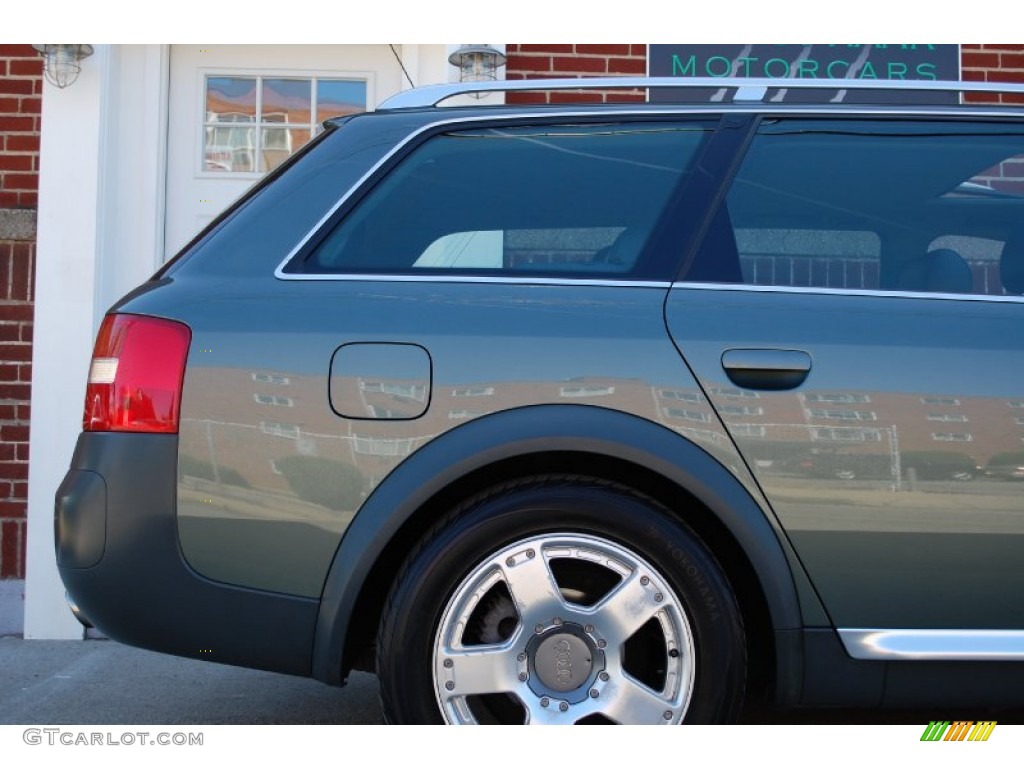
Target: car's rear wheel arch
(589,443)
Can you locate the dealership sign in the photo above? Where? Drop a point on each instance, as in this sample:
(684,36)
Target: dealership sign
(807,62)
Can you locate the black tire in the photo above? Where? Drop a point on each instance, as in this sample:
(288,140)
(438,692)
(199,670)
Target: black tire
(561,600)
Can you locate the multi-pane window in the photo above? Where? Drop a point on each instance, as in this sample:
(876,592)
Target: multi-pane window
(271,378)
(684,395)
(947,417)
(472,391)
(684,413)
(836,397)
(741,410)
(585,391)
(841,414)
(253,123)
(846,434)
(272,400)
(936,400)
(280,429)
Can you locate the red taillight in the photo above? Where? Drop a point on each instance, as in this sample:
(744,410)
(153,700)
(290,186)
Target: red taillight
(136,375)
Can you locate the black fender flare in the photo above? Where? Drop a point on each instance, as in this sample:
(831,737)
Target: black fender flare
(535,429)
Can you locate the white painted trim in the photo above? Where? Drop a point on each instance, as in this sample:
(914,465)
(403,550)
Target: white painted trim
(64,322)
(101,215)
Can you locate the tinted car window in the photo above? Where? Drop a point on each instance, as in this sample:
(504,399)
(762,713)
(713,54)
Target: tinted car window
(570,199)
(877,205)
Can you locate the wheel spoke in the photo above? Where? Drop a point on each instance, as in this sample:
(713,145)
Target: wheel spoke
(630,703)
(487,669)
(534,590)
(627,608)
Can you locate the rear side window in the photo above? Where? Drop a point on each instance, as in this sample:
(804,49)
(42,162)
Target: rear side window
(901,206)
(560,200)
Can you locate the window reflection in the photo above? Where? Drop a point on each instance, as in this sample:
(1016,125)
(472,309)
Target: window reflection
(253,124)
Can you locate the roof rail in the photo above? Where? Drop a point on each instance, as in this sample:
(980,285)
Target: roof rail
(747,89)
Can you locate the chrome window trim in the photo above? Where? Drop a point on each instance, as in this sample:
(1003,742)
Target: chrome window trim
(934,644)
(457,278)
(683,285)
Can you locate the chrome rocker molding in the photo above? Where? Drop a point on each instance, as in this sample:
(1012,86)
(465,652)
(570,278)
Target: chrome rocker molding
(747,89)
(934,644)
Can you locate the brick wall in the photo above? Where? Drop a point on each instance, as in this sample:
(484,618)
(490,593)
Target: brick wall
(20,102)
(1001,63)
(572,60)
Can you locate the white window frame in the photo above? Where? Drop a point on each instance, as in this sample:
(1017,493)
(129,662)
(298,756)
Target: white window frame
(260,74)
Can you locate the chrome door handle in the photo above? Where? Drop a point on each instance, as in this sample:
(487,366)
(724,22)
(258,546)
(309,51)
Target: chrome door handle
(766,368)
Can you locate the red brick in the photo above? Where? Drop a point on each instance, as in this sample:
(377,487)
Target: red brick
(1011,98)
(578,64)
(19,50)
(23,86)
(627,66)
(20,288)
(529,64)
(3,67)
(14,433)
(22,143)
(24,374)
(979,60)
(15,162)
(21,451)
(9,200)
(9,105)
(8,452)
(567,97)
(604,49)
(10,332)
(18,180)
(32,105)
(8,410)
(13,470)
(546,48)
(20,311)
(1011,60)
(19,489)
(24,413)
(527,97)
(28,199)
(14,392)
(9,373)
(20,353)
(26,67)
(26,331)
(1002,47)
(12,509)
(10,550)
(638,49)
(13,123)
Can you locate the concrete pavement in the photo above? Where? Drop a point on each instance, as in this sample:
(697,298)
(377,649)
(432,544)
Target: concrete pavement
(101,682)
(64,682)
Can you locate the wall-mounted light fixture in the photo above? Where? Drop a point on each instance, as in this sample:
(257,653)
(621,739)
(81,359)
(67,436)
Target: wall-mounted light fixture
(63,63)
(477,63)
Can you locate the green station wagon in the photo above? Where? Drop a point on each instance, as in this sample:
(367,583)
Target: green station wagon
(612,413)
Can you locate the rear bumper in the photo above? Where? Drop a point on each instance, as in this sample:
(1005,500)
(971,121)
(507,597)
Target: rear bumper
(118,555)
